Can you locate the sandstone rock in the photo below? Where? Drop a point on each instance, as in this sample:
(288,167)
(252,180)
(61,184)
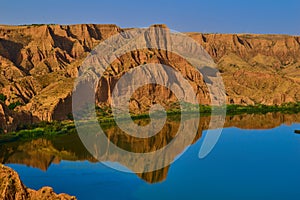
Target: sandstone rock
(11,188)
(10,120)
(39,64)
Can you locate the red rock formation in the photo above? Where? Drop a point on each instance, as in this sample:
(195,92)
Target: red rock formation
(38,65)
(11,188)
(10,120)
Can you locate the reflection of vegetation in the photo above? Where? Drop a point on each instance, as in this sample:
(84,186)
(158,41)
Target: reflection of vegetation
(47,149)
(106,119)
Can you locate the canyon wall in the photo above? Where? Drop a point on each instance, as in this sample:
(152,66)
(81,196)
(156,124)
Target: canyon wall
(39,63)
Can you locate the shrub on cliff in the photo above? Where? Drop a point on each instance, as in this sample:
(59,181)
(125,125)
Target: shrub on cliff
(3,97)
(12,106)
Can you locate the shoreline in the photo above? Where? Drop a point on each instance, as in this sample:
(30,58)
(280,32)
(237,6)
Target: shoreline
(56,128)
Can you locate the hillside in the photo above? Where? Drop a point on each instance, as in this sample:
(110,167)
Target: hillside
(40,62)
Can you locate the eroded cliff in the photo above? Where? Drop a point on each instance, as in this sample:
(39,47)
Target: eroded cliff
(39,64)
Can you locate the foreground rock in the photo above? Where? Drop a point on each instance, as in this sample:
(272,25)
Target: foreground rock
(11,188)
(10,120)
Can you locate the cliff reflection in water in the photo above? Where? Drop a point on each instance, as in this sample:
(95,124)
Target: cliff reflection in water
(42,152)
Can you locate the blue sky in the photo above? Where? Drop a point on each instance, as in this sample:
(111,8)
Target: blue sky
(222,16)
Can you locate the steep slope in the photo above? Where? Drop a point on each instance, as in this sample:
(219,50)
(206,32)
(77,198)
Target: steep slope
(10,120)
(39,64)
(256,68)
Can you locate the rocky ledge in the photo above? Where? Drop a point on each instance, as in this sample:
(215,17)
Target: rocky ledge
(12,188)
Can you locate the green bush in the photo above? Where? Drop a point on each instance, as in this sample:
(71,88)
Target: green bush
(45,129)
(70,116)
(3,97)
(37,132)
(12,106)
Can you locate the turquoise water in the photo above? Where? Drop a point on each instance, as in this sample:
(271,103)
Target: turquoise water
(245,164)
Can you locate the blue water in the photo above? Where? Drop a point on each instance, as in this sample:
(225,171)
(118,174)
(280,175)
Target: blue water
(245,164)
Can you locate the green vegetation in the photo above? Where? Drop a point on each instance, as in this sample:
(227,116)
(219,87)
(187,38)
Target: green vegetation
(240,109)
(284,108)
(44,129)
(48,129)
(13,105)
(70,116)
(37,25)
(3,97)
(105,114)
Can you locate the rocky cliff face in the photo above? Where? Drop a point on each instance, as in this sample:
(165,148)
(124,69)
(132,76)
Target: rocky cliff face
(11,188)
(261,69)
(39,64)
(10,120)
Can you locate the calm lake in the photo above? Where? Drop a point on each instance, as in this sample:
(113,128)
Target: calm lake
(256,157)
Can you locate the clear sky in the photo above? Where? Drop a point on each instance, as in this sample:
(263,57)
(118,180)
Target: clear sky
(222,16)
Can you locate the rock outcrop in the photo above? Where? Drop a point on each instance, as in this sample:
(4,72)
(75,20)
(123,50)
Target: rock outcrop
(10,120)
(11,188)
(38,65)
(255,68)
